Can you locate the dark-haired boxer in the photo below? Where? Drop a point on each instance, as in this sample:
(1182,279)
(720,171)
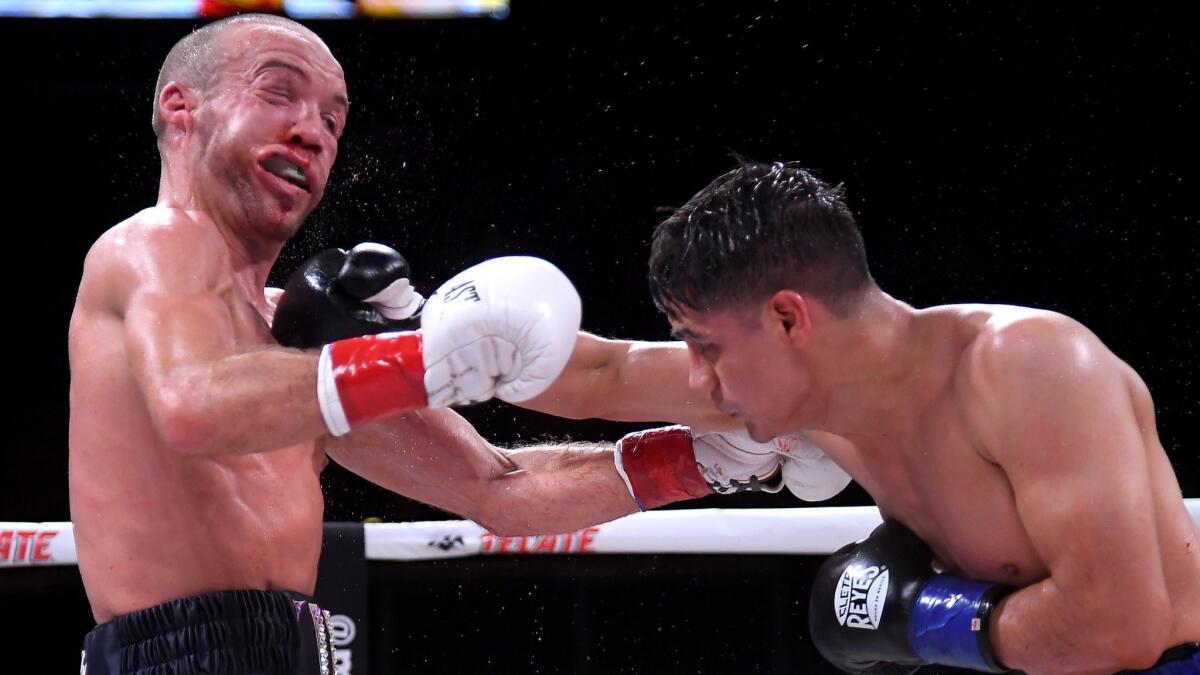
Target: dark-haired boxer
(1008,443)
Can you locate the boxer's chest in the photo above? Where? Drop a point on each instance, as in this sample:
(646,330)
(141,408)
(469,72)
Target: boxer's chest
(959,503)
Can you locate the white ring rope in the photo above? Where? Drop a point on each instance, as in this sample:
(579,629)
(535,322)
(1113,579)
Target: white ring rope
(798,531)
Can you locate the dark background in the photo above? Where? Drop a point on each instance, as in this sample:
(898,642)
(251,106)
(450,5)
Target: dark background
(1024,154)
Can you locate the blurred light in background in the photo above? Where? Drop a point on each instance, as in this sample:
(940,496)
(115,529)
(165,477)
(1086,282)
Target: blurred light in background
(310,9)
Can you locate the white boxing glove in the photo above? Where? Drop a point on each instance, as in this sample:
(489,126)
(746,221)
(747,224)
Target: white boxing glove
(807,471)
(505,327)
(731,461)
(669,464)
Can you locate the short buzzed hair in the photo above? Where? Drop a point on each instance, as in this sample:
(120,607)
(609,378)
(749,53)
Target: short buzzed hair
(195,61)
(756,230)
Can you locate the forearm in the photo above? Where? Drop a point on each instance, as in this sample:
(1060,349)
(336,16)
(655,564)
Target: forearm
(432,456)
(436,457)
(252,402)
(556,488)
(210,390)
(1039,629)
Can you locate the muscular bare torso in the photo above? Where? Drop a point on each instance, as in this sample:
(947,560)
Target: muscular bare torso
(925,466)
(153,524)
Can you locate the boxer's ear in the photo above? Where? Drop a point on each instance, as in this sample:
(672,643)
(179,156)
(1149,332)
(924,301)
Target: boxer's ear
(176,104)
(790,314)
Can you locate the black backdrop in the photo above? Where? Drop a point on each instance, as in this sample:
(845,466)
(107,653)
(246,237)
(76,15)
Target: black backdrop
(1026,154)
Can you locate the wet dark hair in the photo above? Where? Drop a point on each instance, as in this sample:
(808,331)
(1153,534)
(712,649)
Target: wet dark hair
(754,231)
(194,60)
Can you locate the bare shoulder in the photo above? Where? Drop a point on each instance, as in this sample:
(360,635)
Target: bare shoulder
(1024,341)
(1048,350)
(1021,365)
(156,245)
(153,233)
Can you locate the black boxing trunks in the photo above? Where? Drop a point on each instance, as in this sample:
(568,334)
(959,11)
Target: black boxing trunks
(1181,660)
(225,633)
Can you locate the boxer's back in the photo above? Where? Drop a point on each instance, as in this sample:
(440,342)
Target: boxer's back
(153,523)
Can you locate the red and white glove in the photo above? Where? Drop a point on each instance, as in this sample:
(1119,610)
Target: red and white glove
(670,464)
(502,328)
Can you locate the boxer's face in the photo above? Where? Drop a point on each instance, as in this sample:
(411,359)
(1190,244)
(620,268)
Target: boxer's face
(266,132)
(741,363)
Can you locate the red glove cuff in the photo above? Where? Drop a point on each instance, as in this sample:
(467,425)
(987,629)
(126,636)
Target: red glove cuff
(375,376)
(659,465)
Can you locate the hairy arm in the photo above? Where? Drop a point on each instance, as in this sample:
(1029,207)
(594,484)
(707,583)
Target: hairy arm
(206,391)
(1060,422)
(628,381)
(437,457)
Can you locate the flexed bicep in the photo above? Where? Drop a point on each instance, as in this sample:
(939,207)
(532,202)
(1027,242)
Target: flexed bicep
(1060,422)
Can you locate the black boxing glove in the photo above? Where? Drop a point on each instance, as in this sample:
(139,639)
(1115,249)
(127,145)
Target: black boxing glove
(340,294)
(878,604)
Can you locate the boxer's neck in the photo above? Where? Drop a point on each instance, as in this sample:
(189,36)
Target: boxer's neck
(251,255)
(249,269)
(867,365)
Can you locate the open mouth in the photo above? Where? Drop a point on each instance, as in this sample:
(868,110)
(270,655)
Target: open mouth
(280,166)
